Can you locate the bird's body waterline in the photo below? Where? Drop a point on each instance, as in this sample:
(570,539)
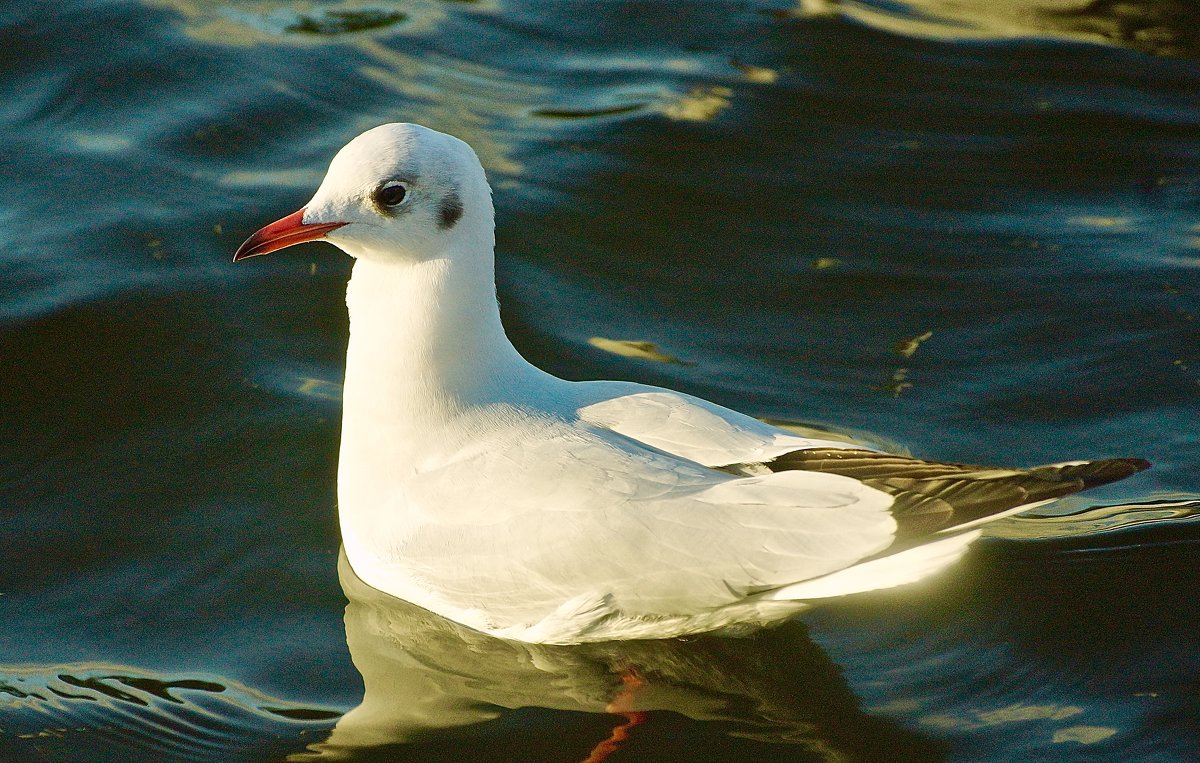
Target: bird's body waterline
(484,489)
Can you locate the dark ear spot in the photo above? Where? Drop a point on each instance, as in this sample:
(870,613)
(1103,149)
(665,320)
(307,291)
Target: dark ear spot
(450,211)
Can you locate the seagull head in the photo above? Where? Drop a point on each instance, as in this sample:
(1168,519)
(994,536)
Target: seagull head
(398,192)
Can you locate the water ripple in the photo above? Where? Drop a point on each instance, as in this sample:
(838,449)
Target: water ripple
(91,712)
(1158,27)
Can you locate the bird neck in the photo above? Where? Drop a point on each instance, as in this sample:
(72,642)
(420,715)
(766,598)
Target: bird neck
(426,346)
(426,337)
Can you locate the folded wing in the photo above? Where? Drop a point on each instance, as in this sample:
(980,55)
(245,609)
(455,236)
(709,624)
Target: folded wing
(929,496)
(536,521)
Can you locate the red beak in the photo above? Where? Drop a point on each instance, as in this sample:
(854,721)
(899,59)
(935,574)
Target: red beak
(283,233)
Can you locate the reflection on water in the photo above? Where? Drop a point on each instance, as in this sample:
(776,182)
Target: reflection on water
(1158,27)
(423,673)
(252,22)
(419,77)
(1092,524)
(433,690)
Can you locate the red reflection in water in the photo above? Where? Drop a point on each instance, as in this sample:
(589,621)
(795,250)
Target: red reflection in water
(621,706)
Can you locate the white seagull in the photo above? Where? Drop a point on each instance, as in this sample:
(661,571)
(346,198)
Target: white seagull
(478,486)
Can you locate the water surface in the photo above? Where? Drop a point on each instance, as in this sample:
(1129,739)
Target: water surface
(969,231)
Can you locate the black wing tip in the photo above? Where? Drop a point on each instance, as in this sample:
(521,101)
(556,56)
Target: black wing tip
(929,495)
(1103,471)
(1137,464)
(1126,466)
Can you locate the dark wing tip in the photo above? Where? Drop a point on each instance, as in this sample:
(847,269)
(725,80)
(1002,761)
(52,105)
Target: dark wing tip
(929,496)
(1134,465)
(1093,473)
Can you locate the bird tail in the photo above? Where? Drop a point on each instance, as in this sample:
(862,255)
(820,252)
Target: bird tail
(926,495)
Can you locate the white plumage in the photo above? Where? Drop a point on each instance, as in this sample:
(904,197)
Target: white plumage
(478,486)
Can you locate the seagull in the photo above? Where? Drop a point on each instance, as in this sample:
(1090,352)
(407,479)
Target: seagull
(479,487)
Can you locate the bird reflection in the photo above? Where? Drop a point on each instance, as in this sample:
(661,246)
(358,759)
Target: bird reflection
(426,676)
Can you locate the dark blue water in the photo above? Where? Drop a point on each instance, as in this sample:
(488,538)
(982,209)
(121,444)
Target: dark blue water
(970,230)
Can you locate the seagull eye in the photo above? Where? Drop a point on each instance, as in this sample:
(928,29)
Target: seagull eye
(391,194)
